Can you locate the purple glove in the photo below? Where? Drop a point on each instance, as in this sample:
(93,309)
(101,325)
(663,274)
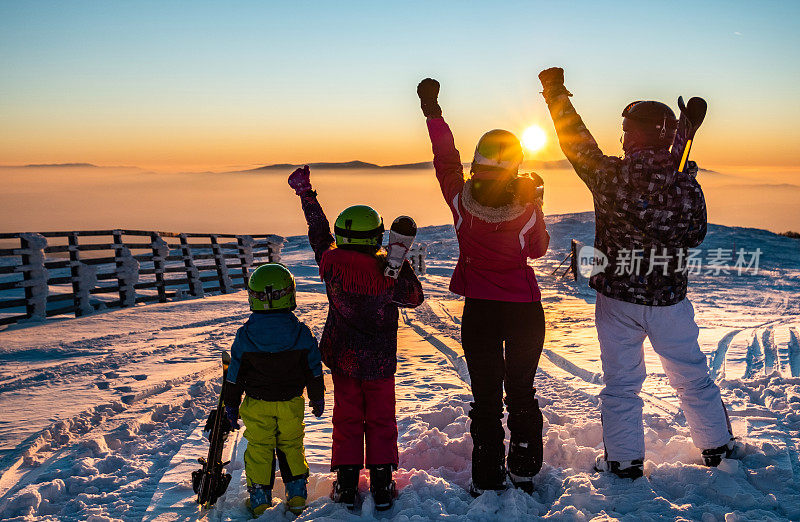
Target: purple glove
(300,180)
(317,407)
(232,414)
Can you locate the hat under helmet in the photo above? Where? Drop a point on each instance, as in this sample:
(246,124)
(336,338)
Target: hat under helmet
(359,225)
(498,152)
(271,287)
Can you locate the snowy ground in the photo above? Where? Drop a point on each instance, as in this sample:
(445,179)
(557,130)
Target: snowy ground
(103,414)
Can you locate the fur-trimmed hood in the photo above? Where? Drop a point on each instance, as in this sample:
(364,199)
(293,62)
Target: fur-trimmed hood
(508,212)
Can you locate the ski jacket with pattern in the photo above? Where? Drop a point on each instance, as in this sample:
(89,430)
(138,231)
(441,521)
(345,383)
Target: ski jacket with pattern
(647,214)
(273,358)
(495,243)
(360,335)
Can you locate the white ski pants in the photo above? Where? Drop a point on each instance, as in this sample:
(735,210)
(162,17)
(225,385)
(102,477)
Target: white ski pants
(621,330)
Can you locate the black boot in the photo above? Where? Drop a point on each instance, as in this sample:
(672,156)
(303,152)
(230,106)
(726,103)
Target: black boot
(382,486)
(524,462)
(488,449)
(525,453)
(631,469)
(730,450)
(345,487)
(488,468)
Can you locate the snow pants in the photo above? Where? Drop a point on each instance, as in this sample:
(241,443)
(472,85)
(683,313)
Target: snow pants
(273,427)
(502,344)
(621,330)
(363,412)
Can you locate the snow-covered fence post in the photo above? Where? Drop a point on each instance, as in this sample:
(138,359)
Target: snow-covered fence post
(84,278)
(416,256)
(192,273)
(160,254)
(245,247)
(222,268)
(34,275)
(127,271)
(274,247)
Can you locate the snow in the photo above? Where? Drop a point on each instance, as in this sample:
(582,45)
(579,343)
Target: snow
(87,279)
(128,275)
(246,249)
(37,273)
(160,247)
(114,404)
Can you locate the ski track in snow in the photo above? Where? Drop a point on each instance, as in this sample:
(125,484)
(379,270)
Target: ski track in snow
(717,362)
(128,452)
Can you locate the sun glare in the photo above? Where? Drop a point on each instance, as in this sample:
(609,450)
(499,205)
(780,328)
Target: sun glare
(534,138)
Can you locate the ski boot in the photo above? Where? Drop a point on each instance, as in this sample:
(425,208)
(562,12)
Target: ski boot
(631,469)
(733,449)
(296,495)
(260,499)
(382,487)
(488,469)
(524,461)
(345,487)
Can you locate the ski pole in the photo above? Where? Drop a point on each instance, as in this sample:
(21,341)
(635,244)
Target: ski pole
(562,262)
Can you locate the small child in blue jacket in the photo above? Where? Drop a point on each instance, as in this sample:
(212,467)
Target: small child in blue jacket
(273,358)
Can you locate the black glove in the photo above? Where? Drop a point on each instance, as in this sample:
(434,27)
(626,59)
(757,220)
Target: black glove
(317,407)
(691,168)
(232,414)
(527,187)
(428,92)
(553,82)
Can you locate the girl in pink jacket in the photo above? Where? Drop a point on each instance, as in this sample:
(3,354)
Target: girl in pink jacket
(500,225)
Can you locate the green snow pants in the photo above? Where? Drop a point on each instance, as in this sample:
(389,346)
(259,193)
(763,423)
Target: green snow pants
(273,427)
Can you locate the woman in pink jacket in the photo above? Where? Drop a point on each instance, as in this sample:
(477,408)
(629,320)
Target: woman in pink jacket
(500,225)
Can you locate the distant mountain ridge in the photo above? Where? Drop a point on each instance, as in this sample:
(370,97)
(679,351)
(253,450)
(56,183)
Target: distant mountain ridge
(352,165)
(58,165)
(357,164)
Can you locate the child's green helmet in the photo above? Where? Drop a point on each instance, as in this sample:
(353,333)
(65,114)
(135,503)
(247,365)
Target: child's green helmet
(271,287)
(359,225)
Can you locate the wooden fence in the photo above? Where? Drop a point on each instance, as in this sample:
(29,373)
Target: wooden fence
(53,273)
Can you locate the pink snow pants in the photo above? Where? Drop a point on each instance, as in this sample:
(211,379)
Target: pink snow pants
(363,411)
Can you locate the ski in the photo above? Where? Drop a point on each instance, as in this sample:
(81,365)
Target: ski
(692,115)
(401,237)
(211,481)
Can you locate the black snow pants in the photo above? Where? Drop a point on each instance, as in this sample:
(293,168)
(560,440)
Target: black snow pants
(502,344)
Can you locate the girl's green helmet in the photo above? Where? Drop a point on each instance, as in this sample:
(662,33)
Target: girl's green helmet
(271,287)
(499,150)
(359,225)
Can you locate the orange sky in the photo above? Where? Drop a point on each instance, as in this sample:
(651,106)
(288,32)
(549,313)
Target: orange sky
(166,86)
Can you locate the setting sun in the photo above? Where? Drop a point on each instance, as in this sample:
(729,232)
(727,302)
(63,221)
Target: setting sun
(534,138)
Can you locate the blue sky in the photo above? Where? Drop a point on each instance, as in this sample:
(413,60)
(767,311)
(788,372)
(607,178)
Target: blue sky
(213,83)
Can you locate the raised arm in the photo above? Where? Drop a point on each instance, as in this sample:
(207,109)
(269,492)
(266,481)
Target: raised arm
(446,160)
(576,141)
(319,230)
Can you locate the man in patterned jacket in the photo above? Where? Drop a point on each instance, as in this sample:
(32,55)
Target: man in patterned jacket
(647,216)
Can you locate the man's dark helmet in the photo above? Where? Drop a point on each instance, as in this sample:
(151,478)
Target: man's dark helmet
(652,124)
